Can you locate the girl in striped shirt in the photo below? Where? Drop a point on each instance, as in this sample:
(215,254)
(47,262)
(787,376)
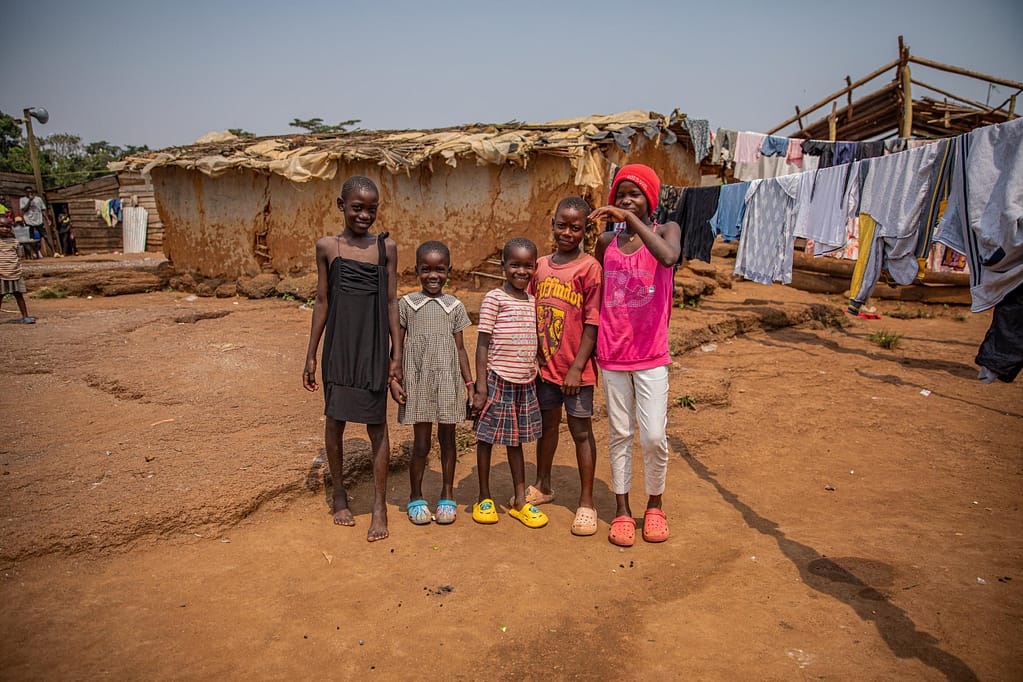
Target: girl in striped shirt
(505,396)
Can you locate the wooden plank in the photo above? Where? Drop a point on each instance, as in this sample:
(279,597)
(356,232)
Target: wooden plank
(866,79)
(967,72)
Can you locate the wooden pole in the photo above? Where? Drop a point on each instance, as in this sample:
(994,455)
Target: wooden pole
(799,119)
(848,100)
(906,124)
(34,158)
(1012,106)
(833,123)
(866,79)
(966,72)
(949,94)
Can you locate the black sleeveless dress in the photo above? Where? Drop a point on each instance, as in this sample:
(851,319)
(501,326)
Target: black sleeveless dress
(355,357)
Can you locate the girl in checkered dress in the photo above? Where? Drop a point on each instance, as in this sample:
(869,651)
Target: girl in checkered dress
(436,377)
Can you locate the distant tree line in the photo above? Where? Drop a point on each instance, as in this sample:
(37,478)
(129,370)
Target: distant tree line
(63,158)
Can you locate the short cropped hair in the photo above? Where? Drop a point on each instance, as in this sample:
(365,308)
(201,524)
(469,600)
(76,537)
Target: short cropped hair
(356,183)
(518,243)
(575,204)
(432,246)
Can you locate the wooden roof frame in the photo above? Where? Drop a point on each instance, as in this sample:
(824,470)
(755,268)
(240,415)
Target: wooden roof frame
(891,110)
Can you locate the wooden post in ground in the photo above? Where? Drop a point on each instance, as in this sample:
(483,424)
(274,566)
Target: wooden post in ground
(833,122)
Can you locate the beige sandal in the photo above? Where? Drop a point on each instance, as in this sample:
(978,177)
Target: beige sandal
(585,522)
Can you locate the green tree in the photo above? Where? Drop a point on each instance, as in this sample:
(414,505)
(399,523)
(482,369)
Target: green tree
(63,158)
(316,125)
(240,132)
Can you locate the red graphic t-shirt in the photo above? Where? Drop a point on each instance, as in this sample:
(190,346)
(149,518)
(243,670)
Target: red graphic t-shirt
(567,298)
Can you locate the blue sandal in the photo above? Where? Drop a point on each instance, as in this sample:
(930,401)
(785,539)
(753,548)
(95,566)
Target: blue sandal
(446,511)
(418,512)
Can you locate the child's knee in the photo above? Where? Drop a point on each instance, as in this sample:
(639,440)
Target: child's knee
(652,442)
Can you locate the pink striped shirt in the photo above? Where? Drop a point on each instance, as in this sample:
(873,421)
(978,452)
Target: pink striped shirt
(511,323)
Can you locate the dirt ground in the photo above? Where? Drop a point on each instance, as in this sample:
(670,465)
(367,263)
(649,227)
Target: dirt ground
(837,510)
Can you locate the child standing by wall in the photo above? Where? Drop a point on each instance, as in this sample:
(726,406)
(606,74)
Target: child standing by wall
(567,290)
(11,281)
(356,302)
(505,397)
(436,376)
(632,343)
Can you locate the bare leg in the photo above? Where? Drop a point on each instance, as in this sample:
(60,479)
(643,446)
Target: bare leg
(483,451)
(333,433)
(446,437)
(622,507)
(422,434)
(20,298)
(517,463)
(381,444)
(545,449)
(585,456)
(654,502)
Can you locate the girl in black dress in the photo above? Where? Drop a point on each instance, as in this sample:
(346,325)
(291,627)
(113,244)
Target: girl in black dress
(356,303)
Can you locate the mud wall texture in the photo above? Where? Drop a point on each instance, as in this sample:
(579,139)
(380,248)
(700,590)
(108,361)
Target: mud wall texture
(242,222)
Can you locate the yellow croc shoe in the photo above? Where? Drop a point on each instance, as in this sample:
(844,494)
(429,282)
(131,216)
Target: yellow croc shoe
(530,516)
(485,512)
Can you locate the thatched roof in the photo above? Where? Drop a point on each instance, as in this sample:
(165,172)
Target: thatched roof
(306,157)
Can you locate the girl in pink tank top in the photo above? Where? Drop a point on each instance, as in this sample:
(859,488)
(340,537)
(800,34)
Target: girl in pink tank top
(632,342)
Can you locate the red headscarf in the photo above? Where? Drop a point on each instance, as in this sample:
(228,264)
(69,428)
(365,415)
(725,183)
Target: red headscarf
(644,177)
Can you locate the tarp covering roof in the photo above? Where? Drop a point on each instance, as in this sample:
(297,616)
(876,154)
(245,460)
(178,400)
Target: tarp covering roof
(305,157)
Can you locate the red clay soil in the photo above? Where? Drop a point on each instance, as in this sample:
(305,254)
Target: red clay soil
(837,510)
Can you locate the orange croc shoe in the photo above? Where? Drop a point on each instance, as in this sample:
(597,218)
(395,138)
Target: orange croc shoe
(655,526)
(623,531)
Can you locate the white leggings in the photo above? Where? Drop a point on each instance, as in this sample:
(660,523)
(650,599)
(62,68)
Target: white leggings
(641,394)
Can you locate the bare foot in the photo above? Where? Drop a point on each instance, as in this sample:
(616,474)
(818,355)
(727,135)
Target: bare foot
(342,515)
(378,524)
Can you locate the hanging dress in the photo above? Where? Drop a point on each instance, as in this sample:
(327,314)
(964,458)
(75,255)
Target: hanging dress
(355,357)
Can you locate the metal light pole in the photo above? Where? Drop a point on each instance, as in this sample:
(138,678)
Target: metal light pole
(41,115)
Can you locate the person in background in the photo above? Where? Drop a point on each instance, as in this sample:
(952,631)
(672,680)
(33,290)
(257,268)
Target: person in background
(66,235)
(33,210)
(11,281)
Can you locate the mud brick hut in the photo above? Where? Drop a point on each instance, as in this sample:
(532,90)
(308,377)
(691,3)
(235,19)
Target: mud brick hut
(241,206)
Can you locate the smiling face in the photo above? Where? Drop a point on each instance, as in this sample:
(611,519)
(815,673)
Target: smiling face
(629,197)
(568,228)
(432,269)
(519,266)
(359,209)
(6,230)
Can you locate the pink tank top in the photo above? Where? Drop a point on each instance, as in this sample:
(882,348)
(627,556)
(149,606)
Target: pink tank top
(634,312)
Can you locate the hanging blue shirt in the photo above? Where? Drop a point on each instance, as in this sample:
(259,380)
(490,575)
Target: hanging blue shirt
(774,145)
(727,219)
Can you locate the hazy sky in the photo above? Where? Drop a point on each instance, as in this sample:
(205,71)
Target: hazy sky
(165,73)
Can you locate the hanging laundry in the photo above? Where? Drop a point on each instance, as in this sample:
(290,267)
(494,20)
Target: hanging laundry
(771,167)
(822,149)
(917,142)
(699,131)
(747,147)
(845,152)
(765,247)
(895,145)
(667,201)
(895,189)
(823,213)
(774,145)
(894,255)
(934,204)
(693,213)
(724,146)
(727,219)
(868,150)
(103,211)
(985,212)
(794,152)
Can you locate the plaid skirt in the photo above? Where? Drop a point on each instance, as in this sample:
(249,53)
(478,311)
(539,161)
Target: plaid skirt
(12,286)
(511,415)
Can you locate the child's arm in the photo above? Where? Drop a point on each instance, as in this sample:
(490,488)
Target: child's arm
(397,390)
(602,242)
(665,243)
(319,317)
(574,375)
(392,309)
(479,397)
(463,364)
